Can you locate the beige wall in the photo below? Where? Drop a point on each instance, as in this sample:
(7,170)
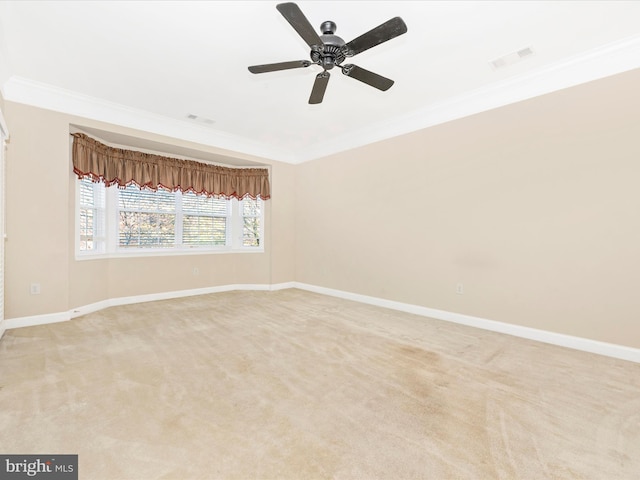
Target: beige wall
(36,212)
(40,227)
(534,207)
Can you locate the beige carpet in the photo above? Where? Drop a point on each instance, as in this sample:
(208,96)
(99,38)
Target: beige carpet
(294,385)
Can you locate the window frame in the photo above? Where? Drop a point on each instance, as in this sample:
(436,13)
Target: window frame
(109,247)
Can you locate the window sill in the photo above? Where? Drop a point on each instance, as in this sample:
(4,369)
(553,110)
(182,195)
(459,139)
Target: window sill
(164,253)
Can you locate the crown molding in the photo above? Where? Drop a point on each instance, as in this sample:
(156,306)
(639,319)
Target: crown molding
(610,59)
(605,61)
(42,95)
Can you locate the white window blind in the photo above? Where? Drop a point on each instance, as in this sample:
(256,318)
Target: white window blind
(205,220)
(91,222)
(115,221)
(146,219)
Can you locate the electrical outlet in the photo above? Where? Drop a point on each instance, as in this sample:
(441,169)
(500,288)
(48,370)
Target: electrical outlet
(35,289)
(459,288)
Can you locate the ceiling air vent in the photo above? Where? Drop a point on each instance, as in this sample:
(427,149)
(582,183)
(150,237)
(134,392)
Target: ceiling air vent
(197,119)
(511,58)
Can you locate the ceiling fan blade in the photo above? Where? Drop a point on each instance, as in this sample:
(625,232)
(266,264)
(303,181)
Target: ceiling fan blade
(365,76)
(292,13)
(382,33)
(274,67)
(319,87)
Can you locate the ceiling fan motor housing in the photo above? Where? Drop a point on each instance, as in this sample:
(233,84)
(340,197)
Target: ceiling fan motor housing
(331,52)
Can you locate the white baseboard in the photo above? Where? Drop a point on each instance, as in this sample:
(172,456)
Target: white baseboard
(577,343)
(44,319)
(33,320)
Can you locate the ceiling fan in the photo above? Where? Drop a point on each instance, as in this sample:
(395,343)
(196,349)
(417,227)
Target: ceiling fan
(329,51)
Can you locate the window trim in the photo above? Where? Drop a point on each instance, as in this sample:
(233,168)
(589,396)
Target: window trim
(111,250)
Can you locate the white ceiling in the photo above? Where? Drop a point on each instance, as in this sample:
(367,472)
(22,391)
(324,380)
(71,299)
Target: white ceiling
(149,64)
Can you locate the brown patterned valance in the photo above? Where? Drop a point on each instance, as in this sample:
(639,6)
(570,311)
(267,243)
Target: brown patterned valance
(117,166)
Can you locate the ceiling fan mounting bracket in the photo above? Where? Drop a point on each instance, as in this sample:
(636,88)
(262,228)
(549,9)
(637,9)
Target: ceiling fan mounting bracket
(346,69)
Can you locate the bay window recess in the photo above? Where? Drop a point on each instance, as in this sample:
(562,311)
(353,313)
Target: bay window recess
(222,209)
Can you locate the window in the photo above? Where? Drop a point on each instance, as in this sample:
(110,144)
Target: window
(251,223)
(91,220)
(131,221)
(146,219)
(205,220)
